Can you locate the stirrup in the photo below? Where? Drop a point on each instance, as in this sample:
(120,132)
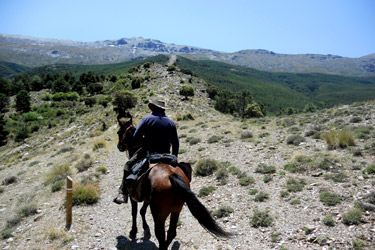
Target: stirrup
(121,198)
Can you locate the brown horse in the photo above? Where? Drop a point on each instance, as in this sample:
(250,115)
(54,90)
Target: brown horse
(167,189)
(131,146)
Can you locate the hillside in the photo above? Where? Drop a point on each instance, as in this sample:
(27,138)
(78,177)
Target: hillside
(31,52)
(279,166)
(10,69)
(278,91)
(303,63)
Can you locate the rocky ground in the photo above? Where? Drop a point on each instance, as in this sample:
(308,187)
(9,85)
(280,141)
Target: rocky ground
(240,144)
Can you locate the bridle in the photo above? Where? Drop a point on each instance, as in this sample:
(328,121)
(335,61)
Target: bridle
(122,140)
(128,145)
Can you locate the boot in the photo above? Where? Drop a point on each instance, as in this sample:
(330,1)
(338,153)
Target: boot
(121,198)
(123,194)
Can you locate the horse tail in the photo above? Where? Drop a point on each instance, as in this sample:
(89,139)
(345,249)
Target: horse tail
(197,209)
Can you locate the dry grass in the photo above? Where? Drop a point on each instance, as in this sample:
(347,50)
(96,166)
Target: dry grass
(54,233)
(339,139)
(58,173)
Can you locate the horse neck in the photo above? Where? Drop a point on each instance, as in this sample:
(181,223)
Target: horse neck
(134,145)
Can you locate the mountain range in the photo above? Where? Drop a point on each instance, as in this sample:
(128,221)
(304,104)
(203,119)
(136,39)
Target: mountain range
(32,52)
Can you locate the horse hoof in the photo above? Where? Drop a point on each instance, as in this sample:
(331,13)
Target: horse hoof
(133,235)
(147,235)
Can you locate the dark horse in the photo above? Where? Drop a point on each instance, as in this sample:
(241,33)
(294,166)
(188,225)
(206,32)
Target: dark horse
(167,189)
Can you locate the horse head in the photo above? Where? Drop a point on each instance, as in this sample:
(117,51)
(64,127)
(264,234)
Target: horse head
(125,133)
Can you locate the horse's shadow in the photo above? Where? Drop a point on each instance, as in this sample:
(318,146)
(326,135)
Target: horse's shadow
(124,243)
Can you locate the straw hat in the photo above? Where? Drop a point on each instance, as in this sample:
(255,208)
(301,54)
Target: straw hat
(158,104)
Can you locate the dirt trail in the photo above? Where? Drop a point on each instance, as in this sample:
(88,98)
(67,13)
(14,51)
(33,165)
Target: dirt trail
(172,60)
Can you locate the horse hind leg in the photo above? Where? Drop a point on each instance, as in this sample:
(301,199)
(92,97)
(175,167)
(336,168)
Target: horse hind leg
(146,228)
(133,232)
(159,223)
(172,227)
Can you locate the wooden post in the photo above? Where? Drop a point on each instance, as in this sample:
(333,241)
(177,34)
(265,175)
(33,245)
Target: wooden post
(69,190)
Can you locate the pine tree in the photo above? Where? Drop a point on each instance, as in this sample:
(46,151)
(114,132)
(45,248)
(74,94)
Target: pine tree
(23,100)
(3,132)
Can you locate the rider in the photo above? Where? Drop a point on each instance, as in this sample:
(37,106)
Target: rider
(157,133)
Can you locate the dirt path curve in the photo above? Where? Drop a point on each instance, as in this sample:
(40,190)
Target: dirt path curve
(172,60)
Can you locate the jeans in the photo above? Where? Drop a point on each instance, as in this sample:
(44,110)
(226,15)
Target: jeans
(137,156)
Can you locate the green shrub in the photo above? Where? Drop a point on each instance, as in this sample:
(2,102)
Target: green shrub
(265,169)
(185,117)
(98,145)
(295,139)
(205,167)
(13,221)
(28,209)
(204,191)
(56,186)
(101,169)
(295,185)
(21,134)
(261,219)
(253,109)
(187,90)
(262,196)
(253,191)
(6,233)
(124,100)
(337,177)
(355,119)
(223,211)
(247,135)
(330,199)
(295,202)
(214,138)
(352,217)
(329,221)
(267,178)
(47,97)
(222,175)
(84,163)
(171,68)
(234,170)
(9,180)
(370,169)
(194,141)
(59,96)
(85,194)
(300,164)
(358,244)
(284,194)
(31,116)
(246,180)
(326,163)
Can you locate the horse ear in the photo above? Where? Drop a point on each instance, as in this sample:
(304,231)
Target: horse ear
(121,121)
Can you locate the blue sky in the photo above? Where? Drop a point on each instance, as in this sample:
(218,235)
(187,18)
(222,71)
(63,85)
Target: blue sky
(338,27)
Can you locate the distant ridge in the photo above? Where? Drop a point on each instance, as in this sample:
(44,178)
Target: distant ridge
(32,52)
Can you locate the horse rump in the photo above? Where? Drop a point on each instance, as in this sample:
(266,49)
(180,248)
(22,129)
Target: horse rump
(197,209)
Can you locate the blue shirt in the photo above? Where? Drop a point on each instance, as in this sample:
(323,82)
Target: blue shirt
(158,133)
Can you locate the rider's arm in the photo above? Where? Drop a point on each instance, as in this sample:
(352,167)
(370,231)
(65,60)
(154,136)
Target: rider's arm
(140,131)
(175,142)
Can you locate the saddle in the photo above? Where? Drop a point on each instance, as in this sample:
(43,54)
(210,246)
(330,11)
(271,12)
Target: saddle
(139,188)
(141,166)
